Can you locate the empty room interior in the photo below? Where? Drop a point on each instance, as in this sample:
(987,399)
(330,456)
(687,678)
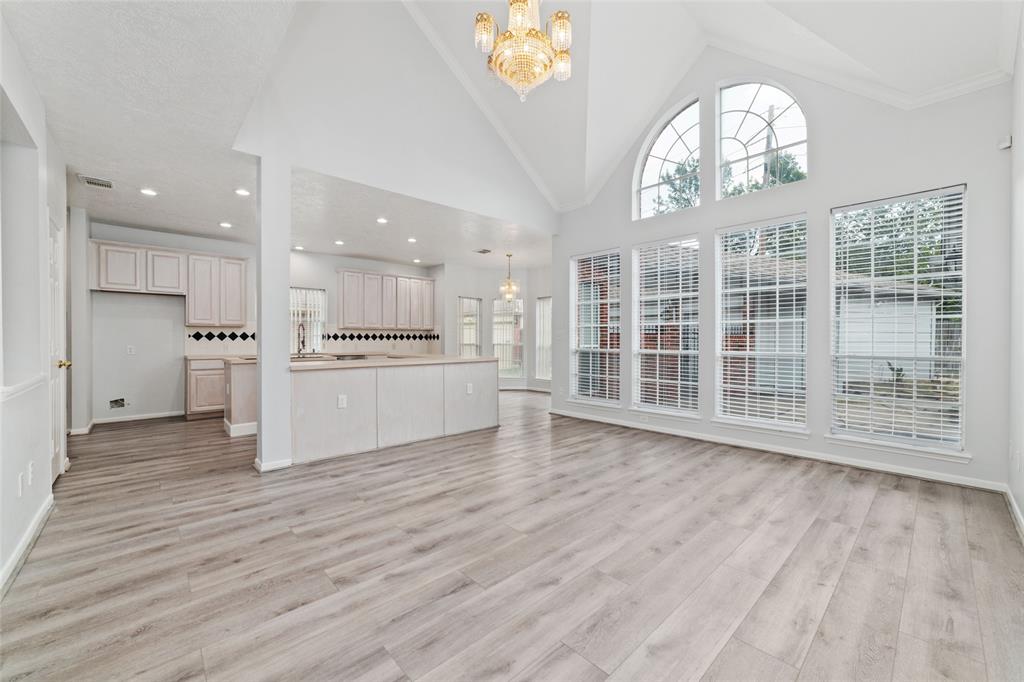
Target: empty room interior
(479,340)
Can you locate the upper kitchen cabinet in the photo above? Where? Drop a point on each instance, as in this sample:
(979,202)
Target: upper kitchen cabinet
(232,292)
(402,303)
(121,267)
(369,300)
(216,292)
(350,300)
(428,304)
(372,295)
(389,301)
(166,272)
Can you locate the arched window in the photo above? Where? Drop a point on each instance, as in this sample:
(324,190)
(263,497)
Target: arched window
(763,138)
(670,178)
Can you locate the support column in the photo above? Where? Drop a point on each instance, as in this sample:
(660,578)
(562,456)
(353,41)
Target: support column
(274,383)
(80,302)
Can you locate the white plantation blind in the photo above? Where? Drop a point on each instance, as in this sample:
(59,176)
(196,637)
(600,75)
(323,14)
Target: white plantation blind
(762,324)
(508,337)
(897,351)
(596,328)
(308,308)
(543,368)
(666,328)
(469,327)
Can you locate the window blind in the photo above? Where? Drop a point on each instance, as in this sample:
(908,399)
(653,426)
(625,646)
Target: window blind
(666,326)
(897,334)
(308,308)
(596,327)
(762,324)
(469,327)
(543,327)
(508,337)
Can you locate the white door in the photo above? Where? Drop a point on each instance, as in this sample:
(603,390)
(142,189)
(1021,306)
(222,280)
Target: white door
(58,364)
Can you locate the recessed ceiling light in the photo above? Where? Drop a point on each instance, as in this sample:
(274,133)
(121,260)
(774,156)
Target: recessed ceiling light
(226,225)
(339,243)
(149,192)
(415,260)
(242,192)
(382,220)
(412,240)
(300,248)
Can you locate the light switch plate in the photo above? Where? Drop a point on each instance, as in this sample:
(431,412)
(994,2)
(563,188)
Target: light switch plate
(131,350)
(342,401)
(469,389)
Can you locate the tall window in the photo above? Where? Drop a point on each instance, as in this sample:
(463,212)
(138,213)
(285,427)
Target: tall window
(897,351)
(666,331)
(670,178)
(762,323)
(469,327)
(543,368)
(596,327)
(763,139)
(308,313)
(508,337)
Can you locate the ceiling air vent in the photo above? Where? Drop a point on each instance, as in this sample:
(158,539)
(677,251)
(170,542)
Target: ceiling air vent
(482,251)
(95,182)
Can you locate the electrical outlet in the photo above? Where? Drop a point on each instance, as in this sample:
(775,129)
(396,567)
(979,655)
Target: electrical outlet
(342,401)
(131,350)
(31,471)
(21,484)
(469,389)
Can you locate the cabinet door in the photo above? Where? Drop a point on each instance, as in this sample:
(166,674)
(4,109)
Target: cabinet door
(351,300)
(428,304)
(372,295)
(205,390)
(402,303)
(121,268)
(389,301)
(232,292)
(166,272)
(203,298)
(415,304)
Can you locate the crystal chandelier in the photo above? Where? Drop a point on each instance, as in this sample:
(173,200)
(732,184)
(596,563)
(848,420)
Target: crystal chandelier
(509,287)
(524,56)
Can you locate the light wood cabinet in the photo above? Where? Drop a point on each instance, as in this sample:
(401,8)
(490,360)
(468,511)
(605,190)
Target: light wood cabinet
(428,304)
(351,300)
(415,304)
(402,301)
(166,272)
(232,292)
(203,298)
(121,267)
(372,296)
(389,301)
(205,394)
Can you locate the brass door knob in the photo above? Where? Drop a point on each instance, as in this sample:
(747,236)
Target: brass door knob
(61,364)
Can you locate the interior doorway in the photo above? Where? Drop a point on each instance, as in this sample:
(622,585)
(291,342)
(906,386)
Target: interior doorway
(58,351)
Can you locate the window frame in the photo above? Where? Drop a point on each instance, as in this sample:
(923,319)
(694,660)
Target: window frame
(793,427)
(540,327)
(478,346)
(573,347)
(635,332)
(925,447)
(719,163)
(652,136)
(320,326)
(513,327)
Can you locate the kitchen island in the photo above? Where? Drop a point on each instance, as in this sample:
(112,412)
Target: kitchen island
(372,401)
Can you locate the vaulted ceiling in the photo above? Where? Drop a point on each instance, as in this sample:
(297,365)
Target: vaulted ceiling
(154,93)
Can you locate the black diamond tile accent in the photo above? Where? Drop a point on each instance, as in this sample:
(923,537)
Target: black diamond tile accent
(221,336)
(197,335)
(233,336)
(209,336)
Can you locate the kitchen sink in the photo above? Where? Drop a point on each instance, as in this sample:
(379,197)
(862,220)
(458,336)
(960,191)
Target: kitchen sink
(349,357)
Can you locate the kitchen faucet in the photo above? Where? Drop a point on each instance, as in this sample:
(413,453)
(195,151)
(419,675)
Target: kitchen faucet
(300,340)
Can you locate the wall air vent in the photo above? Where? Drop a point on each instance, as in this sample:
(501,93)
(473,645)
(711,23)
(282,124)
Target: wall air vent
(482,251)
(95,182)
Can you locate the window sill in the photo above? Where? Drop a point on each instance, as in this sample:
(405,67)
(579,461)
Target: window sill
(900,448)
(792,431)
(607,404)
(691,416)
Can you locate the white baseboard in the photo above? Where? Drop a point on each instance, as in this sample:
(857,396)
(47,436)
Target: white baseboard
(1018,518)
(81,431)
(136,417)
(797,452)
(264,467)
(21,550)
(235,430)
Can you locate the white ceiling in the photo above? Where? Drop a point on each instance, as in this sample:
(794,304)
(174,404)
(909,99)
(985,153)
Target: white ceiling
(154,93)
(326,209)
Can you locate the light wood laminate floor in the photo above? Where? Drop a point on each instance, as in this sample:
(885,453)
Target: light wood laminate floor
(548,549)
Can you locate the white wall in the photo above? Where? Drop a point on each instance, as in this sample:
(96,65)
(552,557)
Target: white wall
(860,150)
(1016,403)
(152,380)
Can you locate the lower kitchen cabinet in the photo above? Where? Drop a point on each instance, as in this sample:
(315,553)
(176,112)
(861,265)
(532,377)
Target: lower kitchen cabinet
(205,394)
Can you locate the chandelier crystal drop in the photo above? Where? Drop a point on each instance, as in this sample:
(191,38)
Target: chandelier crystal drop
(526,55)
(509,287)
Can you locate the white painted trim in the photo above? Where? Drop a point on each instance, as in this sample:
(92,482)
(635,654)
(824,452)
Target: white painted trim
(235,430)
(83,430)
(137,417)
(1018,517)
(264,467)
(895,446)
(797,452)
(12,392)
(21,550)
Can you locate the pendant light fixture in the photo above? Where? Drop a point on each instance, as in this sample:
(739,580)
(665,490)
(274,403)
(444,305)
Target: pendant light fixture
(509,287)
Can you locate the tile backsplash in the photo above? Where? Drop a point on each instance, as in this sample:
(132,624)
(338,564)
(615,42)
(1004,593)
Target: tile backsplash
(215,340)
(235,341)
